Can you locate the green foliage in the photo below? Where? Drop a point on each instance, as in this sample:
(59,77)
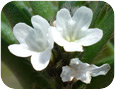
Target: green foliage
(107,50)
(7,34)
(78,3)
(6,31)
(42,8)
(24,8)
(61,3)
(96,8)
(14,14)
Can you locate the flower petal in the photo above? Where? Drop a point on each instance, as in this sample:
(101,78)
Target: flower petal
(19,50)
(66,74)
(35,43)
(77,64)
(83,17)
(85,77)
(71,47)
(63,19)
(40,24)
(57,37)
(80,70)
(40,60)
(21,31)
(75,61)
(91,36)
(41,31)
(102,70)
(63,16)
(50,38)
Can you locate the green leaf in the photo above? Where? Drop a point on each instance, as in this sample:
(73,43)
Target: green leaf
(24,9)
(14,14)
(9,78)
(4,20)
(7,34)
(77,4)
(107,50)
(96,7)
(103,81)
(107,25)
(61,3)
(6,31)
(109,59)
(42,8)
(102,13)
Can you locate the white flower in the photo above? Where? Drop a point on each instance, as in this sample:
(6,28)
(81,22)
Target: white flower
(82,71)
(36,42)
(73,32)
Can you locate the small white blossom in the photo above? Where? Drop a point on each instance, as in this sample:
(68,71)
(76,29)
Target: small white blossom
(82,71)
(73,32)
(36,42)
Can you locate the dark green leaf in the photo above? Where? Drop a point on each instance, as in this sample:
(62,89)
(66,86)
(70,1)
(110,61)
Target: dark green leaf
(107,50)
(77,3)
(4,20)
(7,34)
(6,31)
(14,14)
(24,9)
(96,7)
(42,8)
(61,3)
(102,14)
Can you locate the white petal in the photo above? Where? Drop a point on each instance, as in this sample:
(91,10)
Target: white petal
(102,70)
(41,60)
(63,16)
(91,36)
(21,31)
(40,24)
(75,61)
(57,37)
(50,38)
(62,21)
(80,70)
(36,43)
(83,17)
(72,47)
(41,31)
(66,74)
(19,50)
(86,78)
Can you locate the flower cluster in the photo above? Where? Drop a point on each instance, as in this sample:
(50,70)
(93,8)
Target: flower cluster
(72,33)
